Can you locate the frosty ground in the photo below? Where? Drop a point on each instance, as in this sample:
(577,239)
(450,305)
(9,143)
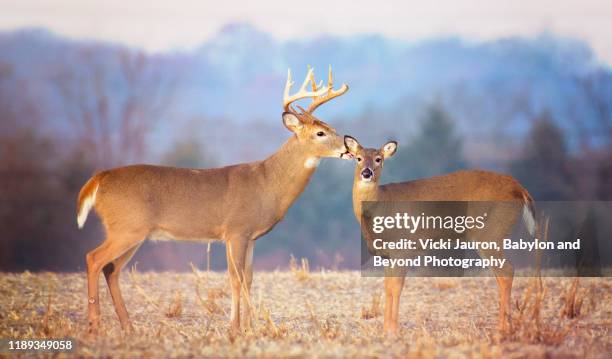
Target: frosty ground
(320,313)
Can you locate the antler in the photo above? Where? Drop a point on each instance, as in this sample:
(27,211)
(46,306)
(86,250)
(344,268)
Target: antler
(302,93)
(329,92)
(319,94)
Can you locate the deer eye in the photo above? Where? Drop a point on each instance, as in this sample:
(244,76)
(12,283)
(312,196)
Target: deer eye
(359,159)
(378,159)
(320,133)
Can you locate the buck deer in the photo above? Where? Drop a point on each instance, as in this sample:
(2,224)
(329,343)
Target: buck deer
(458,186)
(234,204)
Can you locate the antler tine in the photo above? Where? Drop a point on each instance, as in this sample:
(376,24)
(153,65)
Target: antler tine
(315,87)
(302,93)
(330,93)
(309,75)
(288,84)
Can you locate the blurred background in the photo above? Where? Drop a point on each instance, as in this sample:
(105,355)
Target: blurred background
(522,87)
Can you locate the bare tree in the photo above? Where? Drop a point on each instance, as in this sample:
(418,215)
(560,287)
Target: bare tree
(113,99)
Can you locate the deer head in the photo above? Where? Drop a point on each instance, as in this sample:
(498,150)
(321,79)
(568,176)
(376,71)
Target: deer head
(320,138)
(369,160)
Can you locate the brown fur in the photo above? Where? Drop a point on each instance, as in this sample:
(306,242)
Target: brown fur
(234,204)
(474,185)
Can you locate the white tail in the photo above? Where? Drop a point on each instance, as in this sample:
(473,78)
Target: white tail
(529,219)
(86,205)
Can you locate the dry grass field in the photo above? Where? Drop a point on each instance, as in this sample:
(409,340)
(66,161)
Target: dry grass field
(323,314)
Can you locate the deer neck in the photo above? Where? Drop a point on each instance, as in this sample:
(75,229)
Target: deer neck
(288,171)
(363,192)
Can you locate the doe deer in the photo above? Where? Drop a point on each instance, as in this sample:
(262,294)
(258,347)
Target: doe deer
(234,204)
(461,186)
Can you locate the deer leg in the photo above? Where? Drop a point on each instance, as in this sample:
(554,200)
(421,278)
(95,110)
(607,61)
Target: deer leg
(504,282)
(388,304)
(248,276)
(111,272)
(96,260)
(397,284)
(236,253)
(502,218)
(504,277)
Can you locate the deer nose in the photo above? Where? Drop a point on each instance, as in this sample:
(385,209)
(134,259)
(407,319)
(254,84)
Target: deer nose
(367,173)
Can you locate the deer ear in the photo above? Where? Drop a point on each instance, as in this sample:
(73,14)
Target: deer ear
(389,149)
(351,144)
(292,122)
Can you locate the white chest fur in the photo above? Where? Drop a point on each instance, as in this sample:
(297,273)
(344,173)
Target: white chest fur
(312,162)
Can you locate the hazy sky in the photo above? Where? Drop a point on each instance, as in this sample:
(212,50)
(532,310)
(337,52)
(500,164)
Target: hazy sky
(161,25)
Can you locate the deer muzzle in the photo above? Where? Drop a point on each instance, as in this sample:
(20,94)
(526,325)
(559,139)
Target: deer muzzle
(367,175)
(346,155)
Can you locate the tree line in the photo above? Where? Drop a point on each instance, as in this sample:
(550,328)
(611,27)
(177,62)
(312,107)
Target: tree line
(42,170)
